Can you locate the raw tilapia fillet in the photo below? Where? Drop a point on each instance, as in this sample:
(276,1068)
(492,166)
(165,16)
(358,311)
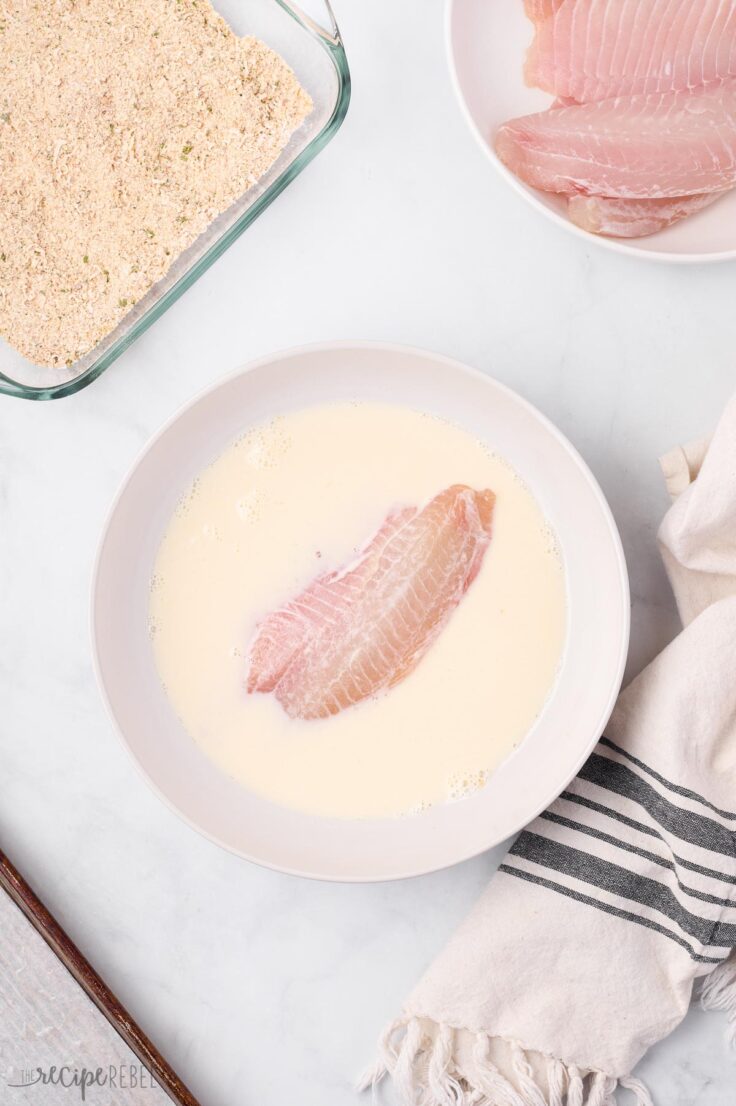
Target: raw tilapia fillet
(639,147)
(540,10)
(596,49)
(633,218)
(361,629)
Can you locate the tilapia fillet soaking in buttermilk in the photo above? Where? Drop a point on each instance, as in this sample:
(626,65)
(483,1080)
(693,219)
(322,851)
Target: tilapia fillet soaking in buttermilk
(358,610)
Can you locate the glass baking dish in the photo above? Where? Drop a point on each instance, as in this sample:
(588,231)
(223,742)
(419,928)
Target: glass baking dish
(317,56)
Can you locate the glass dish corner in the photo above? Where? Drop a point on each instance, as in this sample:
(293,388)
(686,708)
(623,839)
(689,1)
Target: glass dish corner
(317,55)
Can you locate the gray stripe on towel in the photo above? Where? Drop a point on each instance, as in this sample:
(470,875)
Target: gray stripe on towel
(696,829)
(604,906)
(625,883)
(675,788)
(619,843)
(581,800)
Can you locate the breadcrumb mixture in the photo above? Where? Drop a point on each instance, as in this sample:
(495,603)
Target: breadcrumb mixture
(125,129)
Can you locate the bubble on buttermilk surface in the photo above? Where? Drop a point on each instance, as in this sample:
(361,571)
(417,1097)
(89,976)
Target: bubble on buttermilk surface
(265,446)
(462,784)
(249,505)
(182,507)
(551,544)
(418,808)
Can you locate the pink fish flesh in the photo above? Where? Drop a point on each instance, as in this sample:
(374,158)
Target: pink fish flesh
(540,10)
(640,147)
(363,628)
(596,49)
(633,218)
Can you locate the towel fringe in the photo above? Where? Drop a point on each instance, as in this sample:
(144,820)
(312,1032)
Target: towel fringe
(425,1072)
(719,993)
(575,1087)
(641,1095)
(556,1082)
(386,1060)
(491,1082)
(602,1090)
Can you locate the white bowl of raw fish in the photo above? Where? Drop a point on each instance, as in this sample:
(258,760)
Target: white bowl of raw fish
(559,740)
(615,118)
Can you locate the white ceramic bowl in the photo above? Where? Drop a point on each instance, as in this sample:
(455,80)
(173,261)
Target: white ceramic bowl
(486,42)
(529,779)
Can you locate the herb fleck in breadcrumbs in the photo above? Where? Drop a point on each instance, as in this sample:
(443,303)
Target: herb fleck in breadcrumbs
(117,117)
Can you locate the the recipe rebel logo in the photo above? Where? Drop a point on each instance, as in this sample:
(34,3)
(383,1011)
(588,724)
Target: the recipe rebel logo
(83,1080)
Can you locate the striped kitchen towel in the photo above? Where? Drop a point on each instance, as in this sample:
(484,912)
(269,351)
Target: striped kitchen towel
(620,900)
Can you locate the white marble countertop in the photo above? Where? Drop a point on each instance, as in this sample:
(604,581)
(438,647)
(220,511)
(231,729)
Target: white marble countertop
(258,987)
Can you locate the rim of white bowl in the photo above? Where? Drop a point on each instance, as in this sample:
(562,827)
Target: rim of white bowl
(387,347)
(616,245)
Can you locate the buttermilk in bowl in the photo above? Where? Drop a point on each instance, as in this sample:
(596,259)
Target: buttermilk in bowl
(358,610)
